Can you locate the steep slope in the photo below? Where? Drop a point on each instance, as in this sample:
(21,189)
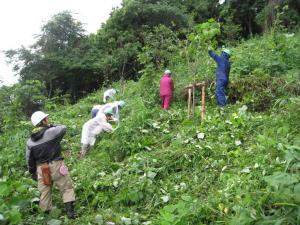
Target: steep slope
(238,166)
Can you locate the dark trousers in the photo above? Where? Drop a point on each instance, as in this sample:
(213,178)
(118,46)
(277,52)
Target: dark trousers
(220,92)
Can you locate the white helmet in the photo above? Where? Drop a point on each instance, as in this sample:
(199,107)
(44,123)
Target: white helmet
(37,117)
(167,72)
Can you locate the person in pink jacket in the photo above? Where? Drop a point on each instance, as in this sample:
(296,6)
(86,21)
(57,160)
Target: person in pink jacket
(166,89)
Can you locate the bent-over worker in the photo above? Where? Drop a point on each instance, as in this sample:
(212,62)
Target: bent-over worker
(115,106)
(92,128)
(109,94)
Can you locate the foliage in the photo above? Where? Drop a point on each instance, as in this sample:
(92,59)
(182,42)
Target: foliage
(279,14)
(20,101)
(205,36)
(148,13)
(230,31)
(180,213)
(275,55)
(161,45)
(259,92)
(243,14)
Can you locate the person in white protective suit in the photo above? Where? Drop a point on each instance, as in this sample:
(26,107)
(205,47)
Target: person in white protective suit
(95,110)
(115,108)
(109,94)
(92,128)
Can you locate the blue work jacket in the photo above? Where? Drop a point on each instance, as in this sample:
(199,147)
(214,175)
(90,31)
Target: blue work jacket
(223,63)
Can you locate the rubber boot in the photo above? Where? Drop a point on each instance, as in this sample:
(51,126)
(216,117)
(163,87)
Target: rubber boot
(70,210)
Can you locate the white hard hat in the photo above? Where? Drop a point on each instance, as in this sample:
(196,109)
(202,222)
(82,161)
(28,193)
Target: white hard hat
(167,72)
(37,117)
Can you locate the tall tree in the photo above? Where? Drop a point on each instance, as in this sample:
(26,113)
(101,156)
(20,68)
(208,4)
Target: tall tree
(121,39)
(280,12)
(47,60)
(243,13)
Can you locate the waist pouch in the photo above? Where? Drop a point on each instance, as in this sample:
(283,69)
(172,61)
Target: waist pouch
(46,175)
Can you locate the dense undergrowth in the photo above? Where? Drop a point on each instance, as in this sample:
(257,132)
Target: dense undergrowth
(238,166)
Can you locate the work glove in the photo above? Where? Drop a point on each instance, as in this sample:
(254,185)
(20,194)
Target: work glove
(34,176)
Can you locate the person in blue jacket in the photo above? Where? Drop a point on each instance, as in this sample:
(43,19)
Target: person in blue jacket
(222,74)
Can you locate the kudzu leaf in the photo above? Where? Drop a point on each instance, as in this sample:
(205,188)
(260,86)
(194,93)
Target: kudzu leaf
(279,178)
(99,220)
(297,192)
(54,222)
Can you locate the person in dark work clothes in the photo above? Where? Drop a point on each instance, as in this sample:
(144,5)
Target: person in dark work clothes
(46,165)
(222,74)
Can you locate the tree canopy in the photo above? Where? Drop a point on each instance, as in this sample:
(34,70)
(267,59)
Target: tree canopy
(70,62)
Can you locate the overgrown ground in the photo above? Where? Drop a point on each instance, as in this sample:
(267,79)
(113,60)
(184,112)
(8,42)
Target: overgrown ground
(240,166)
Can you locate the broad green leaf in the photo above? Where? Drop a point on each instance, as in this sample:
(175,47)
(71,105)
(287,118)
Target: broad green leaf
(54,222)
(4,190)
(55,212)
(15,216)
(279,178)
(297,192)
(186,198)
(98,220)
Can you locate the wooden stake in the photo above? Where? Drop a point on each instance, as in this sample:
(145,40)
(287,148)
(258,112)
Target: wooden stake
(191,98)
(193,109)
(203,110)
(189,102)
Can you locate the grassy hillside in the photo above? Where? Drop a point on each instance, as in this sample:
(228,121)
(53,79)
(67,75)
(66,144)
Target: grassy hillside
(240,166)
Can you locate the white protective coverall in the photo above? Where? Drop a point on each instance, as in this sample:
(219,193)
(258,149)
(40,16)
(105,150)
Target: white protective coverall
(108,94)
(115,109)
(94,127)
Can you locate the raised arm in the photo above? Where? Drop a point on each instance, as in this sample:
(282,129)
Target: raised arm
(56,131)
(215,57)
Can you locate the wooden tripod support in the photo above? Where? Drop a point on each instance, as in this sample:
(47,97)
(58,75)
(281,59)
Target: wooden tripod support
(191,98)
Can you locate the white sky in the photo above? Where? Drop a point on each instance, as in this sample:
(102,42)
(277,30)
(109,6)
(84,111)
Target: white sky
(20,20)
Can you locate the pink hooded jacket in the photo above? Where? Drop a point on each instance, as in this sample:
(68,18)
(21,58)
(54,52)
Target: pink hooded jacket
(166,85)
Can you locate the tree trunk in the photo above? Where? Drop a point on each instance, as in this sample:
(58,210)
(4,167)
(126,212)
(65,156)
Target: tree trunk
(271,13)
(50,89)
(250,26)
